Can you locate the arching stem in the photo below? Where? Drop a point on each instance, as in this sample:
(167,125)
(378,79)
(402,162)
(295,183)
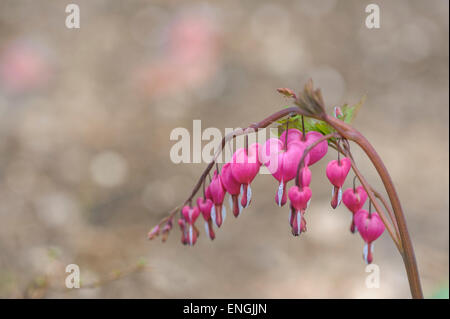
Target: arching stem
(407,252)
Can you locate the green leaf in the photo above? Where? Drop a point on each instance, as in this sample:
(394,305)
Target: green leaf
(142,262)
(323,128)
(442,293)
(296,122)
(348,115)
(350,112)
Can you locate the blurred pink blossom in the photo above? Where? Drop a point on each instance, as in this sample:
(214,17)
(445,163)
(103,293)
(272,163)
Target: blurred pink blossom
(23,68)
(188,61)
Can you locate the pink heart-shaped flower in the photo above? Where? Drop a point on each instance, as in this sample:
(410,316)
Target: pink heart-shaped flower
(205,205)
(190,214)
(217,192)
(245,166)
(336,172)
(300,197)
(282,161)
(316,153)
(354,200)
(231,185)
(189,233)
(370,227)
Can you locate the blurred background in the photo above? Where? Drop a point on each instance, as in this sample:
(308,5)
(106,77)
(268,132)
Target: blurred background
(85,120)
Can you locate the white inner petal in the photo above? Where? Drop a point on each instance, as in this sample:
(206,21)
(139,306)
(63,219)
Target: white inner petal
(339,196)
(249,195)
(213,215)
(365,252)
(191,235)
(224,213)
(239,203)
(280,193)
(207,228)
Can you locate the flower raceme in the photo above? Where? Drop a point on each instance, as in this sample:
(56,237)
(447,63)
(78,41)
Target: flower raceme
(370,227)
(354,199)
(245,165)
(337,171)
(282,156)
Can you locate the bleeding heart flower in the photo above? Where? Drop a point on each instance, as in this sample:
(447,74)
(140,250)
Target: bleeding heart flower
(190,215)
(244,167)
(205,206)
(370,227)
(354,199)
(316,153)
(217,193)
(182,224)
(300,198)
(233,187)
(337,172)
(282,160)
(297,221)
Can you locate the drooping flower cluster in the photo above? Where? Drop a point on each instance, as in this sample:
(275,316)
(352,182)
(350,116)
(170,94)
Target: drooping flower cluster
(283,158)
(286,158)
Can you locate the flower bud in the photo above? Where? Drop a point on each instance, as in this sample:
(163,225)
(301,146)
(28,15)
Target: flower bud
(154,232)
